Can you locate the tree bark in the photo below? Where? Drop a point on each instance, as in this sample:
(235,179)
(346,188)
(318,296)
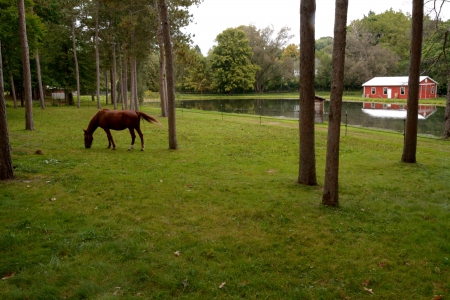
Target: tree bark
(162,63)
(41,89)
(331,188)
(307,161)
(75,58)
(106,84)
(113,78)
(125,79)
(410,143)
(6,168)
(97,56)
(136,84)
(447,111)
(13,88)
(29,122)
(173,143)
(132,83)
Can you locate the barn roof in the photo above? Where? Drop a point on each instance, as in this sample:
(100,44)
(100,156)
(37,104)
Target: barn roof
(392,81)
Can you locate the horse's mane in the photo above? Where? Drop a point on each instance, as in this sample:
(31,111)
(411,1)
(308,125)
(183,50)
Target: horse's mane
(93,124)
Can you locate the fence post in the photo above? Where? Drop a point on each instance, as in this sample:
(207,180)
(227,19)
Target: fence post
(346,122)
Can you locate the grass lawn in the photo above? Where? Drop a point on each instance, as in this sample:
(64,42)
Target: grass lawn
(220,218)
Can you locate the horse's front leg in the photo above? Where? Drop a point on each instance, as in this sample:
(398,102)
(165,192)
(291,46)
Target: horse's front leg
(142,138)
(133,137)
(110,139)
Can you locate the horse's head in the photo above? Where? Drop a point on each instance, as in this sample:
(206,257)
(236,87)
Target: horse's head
(88,138)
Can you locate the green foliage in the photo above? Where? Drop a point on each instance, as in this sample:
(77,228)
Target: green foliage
(436,55)
(391,29)
(231,64)
(94,223)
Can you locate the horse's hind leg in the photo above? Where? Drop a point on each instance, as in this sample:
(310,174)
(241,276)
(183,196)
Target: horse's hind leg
(110,139)
(142,138)
(133,138)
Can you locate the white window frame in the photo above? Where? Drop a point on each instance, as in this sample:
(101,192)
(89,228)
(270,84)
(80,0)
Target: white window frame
(385,90)
(373,90)
(402,90)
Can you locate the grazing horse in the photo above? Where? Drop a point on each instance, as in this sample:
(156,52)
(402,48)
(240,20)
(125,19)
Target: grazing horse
(117,120)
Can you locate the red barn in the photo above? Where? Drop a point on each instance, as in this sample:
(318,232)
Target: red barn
(397,87)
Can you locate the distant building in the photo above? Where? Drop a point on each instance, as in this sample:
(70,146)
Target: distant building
(397,87)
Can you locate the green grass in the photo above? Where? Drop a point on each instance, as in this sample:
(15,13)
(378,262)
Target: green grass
(95,223)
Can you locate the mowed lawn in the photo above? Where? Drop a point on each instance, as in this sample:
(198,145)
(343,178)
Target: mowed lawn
(220,218)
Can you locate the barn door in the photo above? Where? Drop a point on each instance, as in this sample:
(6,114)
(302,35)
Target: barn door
(389,93)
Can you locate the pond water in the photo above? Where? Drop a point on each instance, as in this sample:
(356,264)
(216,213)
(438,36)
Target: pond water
(365,114)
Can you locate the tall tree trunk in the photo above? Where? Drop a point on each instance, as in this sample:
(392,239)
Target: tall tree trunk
(6,168)
(97,56)
(136,84)
(13,88)
(447,111)
(132,89)
(113,78)
(75,58)
(173,143)
(121,79)
(307,162)
(331,187)
(29,122)
(162,64)
(125,79)
(106,84)
(41,89)
(410,144)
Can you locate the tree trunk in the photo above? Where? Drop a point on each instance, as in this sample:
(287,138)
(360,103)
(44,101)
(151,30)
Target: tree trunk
(75,58)
(307,162)
(106,84)
(162,63)
(41,89)
(136,84)
(97,56)
(29,122)
(113,78)
(410,144)
(132,89)
(6,168)
(331,187)
(13,88)
(125,79)
(173,143)
(447,111)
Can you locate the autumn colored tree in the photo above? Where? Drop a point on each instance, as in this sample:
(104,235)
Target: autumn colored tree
(331,187)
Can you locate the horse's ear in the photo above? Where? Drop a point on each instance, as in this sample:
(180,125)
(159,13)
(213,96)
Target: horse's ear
(84,130)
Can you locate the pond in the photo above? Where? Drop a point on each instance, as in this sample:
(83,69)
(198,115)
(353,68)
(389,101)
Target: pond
(366,114)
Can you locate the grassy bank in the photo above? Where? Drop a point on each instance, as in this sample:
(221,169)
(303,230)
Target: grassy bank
(221,218)
(347,96)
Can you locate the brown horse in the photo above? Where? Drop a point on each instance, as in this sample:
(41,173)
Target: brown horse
(117,120)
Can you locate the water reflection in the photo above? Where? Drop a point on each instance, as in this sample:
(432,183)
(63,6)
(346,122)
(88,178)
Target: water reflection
(395,111)
(431,119)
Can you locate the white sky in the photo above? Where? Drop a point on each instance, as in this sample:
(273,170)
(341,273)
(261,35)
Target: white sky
(214,16)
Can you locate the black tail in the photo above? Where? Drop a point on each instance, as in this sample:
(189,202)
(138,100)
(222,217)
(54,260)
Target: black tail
(147,118)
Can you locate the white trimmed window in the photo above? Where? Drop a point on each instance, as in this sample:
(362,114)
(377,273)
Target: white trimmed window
(402,90)
(373,90)
(432,90)
(385,90)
